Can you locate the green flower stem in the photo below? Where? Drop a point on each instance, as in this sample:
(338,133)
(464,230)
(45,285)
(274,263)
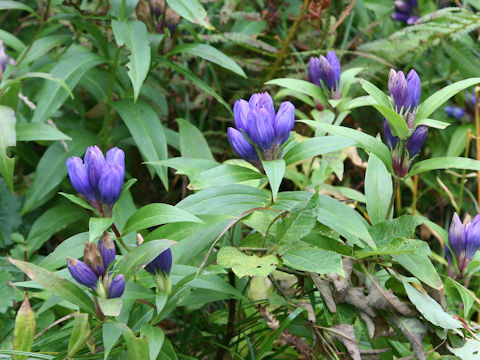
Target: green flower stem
(396,184)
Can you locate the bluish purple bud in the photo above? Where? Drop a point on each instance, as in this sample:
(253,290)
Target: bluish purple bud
(398,89)
(116,156)
(448,255)
(3,57)
(107,249)
(110,183)
(413,3)
(82,273)
(161,264)
(391,140)
(414,90)
(117,287)
(417,140)
(457,240)
(284,121)
(400,16)
(94,162)
(412,19)
(240,112)
(327,74)
(472,239)
(260,129)
(79,177)
(455,111)
(241,146)
(335,64)
(402,6)
(93,258)
(314,71)
(262,101)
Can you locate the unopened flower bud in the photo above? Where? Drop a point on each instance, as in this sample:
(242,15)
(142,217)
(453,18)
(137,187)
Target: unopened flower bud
(417,140)
(79,177)
(140,239)
(3,58)
(284,121)
(117,287)
(326,70)
(82,273)
(161,264)
(93,258)
(94,162)
(107,249)
(111,183)
(172,19)
(455,112)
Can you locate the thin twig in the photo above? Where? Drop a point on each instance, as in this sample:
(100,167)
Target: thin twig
(342,17)
(119,237)
(477,140)
(55,323)
(396,182)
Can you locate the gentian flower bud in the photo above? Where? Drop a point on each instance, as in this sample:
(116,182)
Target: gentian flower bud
(455,111)
(82,273)
(417,140)
(93,258)
(111,183)
(79,177)
(263,101)
(456,238)
(172,19)
(414,90)
(161,264)
(326,70)
(241,146)
(107,249)
(94,162)
(472,239)
(391,140)
(240,112)
(404,11)
(157,6)
(116,156)
(398,89)
(3,59)
(117,287)
(260,129)
(284,121)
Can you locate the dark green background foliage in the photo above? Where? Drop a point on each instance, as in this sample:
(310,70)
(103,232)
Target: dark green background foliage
(299,260)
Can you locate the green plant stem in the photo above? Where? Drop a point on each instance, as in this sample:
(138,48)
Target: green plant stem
(288,40)
(464,172)
(107,119)
(77,347)
(396,183)
(119,237)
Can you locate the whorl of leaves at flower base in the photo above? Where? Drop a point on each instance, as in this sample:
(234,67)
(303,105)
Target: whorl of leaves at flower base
(93,272)
(265,130)
(98,179)
(326,70)
(405,11)
(464,240)
(405,92)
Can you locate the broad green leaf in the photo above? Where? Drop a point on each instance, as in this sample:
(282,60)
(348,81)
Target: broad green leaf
(110,336)
(313,259)
(110,307)
(147,131)
(7,138)
(378,189)
(40,75)
(194,79)
(155,338)
(122,9)
(50,222)
(79,201)
(246,265)
(433,123)
(316,146)
(397,123)
(468,297)
(12,41)
(209,53)
(301,86)
(38,131)
(192,142)
(157,214)
(444,163)
(189,167)
(223,175)
(377,94)
(421,267)
(56,285)
(436,100)
(274,170)
(458,140)
(430,309)
(80,331)
(396,246)
(137,348)
(141,256)
(134,35)
(347,78)
(192,11)
(72,247)
(70,69)
(343,219)
(292,229)
(24,329)
(228,200)
(363,140)
(97,226)
(15,5)
(42,46)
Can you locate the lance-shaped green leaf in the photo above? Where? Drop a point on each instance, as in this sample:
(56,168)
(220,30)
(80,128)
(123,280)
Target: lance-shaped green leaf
(192,142)
(81,329)
(301,86)
(275,170)
(378,189)
(444,163)
(97,226)
(157,214)
(55,284)
(24,329)
(155,337)
(39,131)
(110,307)
(134,35)
(223,175)
(7,138)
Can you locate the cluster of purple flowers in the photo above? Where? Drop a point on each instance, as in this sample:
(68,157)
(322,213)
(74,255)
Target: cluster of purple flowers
(95,273)
(98,179)
(405,11)
(260,132)
(326,71)
(464,239)
(405,92)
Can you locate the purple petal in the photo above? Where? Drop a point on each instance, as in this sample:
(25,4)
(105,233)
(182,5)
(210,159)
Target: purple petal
(414,89)
(241,146)
(417,140)
(94,161)
(117,287)
(240,112)
(261,130)
(284,121)
(82,273)
(111,183)
(79,177)
(263,101)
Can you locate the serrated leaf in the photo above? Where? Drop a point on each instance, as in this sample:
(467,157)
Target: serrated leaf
(313,259)
(245,265)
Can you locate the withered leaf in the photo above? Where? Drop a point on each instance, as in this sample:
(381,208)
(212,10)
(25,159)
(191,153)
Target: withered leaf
(340,283)
(414,331)
(324,288)
(345,334)
(383,299)
(357,298)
